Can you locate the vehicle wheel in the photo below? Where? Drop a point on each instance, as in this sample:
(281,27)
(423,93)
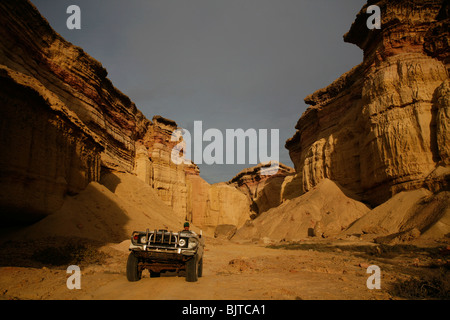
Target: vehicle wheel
(192,269)
(200,268)
(133,272)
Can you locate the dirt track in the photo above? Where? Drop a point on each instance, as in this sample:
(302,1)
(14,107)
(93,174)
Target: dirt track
(231,271)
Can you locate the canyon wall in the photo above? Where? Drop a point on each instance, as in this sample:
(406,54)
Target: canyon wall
(63,125)
(153,165)
(46,150)
(31,47)
(180,185)
(382,127)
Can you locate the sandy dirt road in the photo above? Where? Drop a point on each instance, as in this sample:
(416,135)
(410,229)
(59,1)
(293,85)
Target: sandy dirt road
(247,272)
(232,271)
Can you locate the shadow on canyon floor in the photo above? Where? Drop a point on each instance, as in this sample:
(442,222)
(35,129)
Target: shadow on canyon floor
(72,235)
(53,253)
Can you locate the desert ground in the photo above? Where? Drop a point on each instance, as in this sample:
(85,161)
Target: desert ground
(316,269)
(92,230)
(82,167)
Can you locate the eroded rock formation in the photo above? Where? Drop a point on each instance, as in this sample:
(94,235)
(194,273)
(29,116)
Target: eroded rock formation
(47,152)
(65,125)
(383,127)
(62,119)
(154,165)
(180,185)
(265,191)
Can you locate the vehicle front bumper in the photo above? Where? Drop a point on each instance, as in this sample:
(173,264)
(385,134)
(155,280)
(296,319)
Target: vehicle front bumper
(161,254)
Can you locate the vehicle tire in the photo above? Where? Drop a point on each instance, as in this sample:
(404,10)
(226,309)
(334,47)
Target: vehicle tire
(200,268)
(133,272)
(192,269)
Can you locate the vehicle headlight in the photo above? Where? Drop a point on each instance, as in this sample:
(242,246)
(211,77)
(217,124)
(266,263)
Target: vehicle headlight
(143,240)
(182,242)
(192,243)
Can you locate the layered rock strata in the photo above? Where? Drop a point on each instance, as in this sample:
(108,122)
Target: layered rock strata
(65,125)
(62,119)
(180,185)
(30,46)
(153,165)
(47,152)
(383,127)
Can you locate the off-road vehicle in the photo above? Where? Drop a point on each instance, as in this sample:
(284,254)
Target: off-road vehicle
(161,250)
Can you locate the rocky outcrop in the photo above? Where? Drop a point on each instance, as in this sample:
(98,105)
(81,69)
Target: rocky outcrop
(30,46)
(382,127)
(47,152)
(442,105)
(180,185)
(62,119)
(413,26)
(216,204)
(153,165)
(64,125)
(265,191)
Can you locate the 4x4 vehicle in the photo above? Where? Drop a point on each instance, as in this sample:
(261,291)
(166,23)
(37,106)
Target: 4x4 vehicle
(161,250)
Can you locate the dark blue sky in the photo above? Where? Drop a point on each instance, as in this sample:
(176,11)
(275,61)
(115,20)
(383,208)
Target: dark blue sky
(229,63)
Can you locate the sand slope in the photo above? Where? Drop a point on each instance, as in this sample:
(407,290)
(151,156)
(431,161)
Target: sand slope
(323,210)
(108,211)
(420,209)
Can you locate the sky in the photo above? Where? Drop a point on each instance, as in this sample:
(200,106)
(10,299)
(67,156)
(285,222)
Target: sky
(232,64)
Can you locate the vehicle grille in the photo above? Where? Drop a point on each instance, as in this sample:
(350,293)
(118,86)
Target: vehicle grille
(163,238)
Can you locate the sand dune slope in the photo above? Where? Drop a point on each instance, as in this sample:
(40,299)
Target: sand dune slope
(108,211)
(419,209)
(324,210)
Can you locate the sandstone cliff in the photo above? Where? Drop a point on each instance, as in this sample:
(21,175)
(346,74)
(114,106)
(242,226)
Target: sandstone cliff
(180,185)
(31,47)
(383,127)
(62,119)
(379,133)
(65,126)
(47,152)
(153,165)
